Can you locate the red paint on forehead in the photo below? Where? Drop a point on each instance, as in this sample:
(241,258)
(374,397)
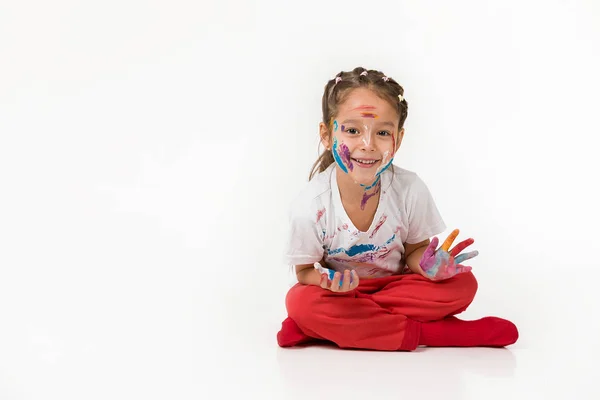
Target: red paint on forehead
(364,108)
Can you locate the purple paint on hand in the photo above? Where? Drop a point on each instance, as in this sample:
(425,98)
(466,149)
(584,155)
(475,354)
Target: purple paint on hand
(440,264)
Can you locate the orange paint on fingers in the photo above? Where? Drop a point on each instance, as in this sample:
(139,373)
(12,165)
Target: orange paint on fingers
(448,242)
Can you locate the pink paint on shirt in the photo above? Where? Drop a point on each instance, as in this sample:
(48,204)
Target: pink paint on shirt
(320,214)
(379,224)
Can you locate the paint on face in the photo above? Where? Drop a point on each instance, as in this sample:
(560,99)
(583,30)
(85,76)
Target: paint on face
(335,126)
(369,115)
(341,154)
(385,164)
(343,128)
(365,107)
(367,196)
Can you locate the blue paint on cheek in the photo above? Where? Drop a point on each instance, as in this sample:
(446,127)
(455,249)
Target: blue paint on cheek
(386,167)
(336,156)
(335,126)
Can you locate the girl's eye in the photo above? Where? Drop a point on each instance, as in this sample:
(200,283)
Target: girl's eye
(351,131)
(384,133)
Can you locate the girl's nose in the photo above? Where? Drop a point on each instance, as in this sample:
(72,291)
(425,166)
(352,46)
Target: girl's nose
(367,142)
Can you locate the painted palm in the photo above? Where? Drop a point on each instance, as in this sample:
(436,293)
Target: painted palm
(444,263)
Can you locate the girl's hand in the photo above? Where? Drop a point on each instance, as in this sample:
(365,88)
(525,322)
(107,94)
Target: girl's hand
(441,264)
(348,282)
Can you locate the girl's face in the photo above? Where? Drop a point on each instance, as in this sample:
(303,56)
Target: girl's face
(364,136)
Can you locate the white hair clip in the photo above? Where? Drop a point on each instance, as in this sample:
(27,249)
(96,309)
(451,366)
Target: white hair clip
(400,98)
(339,78)
(364,73)
(385,78)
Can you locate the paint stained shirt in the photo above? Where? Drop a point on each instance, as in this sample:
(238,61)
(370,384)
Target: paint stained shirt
(320,228)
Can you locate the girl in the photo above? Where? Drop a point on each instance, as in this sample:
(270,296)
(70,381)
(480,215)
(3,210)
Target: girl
(368,275)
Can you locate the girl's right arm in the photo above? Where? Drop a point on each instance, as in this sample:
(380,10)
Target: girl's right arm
(308,275)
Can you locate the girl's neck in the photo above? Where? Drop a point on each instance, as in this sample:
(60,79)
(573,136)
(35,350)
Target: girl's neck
(351,193)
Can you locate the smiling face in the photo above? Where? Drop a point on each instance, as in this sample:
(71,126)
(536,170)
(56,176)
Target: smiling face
(363,136)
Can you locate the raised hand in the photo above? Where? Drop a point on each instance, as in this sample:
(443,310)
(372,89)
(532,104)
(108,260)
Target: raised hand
(440,264)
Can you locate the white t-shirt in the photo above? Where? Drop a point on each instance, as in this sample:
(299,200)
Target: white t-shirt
(320,228)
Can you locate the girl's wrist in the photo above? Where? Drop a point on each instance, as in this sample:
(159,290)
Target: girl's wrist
(309,276)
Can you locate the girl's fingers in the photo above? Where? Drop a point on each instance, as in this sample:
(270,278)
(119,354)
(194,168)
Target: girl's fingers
(451,237)
(335,283)
(324,281)
(461,246)
(466,256)
(430,250)
(462,269)
(346,281)
(355,280)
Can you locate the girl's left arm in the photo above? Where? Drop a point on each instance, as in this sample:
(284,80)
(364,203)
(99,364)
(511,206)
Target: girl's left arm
(413,253)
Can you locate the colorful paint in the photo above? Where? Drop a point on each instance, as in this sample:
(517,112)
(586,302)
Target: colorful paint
(335,126)
(441,264)
(369,115)
(363,108)
(320,214)
(371,185)
(341,154)
(384,167)
(363,252)
(345,153)
(330,273)
(367,196)
(384,163)
(344,227)
(379,225)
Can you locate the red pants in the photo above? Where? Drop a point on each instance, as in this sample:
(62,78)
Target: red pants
(381,313)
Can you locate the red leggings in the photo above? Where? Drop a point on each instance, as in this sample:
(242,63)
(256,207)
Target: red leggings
(381,313)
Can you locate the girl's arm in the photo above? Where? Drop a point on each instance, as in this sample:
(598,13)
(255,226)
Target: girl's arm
(308,275)
(413,253)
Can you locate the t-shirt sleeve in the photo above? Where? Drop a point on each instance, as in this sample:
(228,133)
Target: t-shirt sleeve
(424,219)
(305,235)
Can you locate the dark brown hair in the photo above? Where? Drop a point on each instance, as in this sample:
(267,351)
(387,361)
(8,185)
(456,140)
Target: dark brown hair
(336,92)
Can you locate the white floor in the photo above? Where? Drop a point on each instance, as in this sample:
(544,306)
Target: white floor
(138,337)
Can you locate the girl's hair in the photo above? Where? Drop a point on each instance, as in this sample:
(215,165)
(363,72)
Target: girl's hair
(338,89)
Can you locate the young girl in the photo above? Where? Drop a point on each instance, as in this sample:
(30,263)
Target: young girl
(368,275)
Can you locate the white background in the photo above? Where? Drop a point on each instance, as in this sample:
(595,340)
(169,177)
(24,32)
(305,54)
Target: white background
(149,151)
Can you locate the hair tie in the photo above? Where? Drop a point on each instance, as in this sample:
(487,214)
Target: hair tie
(400,98)
(337,79)
(385,78)
(364,73)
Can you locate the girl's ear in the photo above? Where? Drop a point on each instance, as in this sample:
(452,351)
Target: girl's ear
(399,142)
(325,135)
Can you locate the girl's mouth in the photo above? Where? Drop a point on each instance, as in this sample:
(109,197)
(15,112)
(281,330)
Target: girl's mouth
(365,163)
